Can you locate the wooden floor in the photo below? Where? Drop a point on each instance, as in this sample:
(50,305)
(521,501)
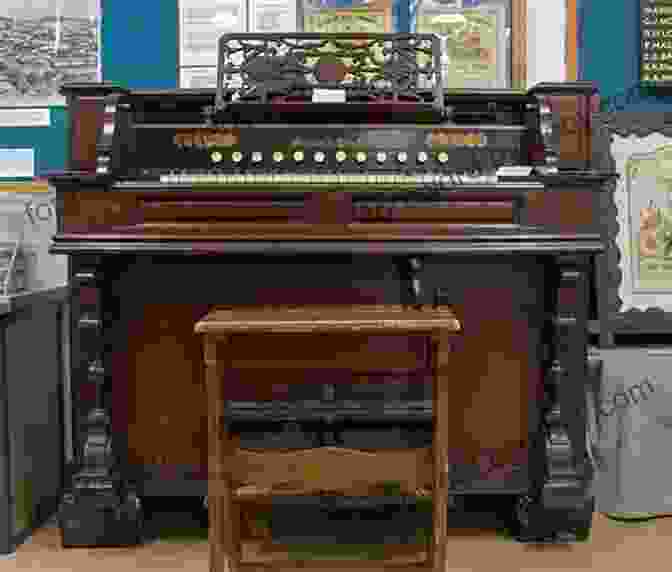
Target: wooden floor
(614,547)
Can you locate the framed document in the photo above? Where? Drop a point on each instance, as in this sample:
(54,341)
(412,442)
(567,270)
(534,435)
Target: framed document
(273,16)
(345,16)
(201,23)
(484,41)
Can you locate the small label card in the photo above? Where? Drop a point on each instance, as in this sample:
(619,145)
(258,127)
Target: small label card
(514,171)
(328,96)
(25,117)
(17,163)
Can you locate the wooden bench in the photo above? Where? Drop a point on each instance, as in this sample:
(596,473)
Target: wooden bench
(236,475)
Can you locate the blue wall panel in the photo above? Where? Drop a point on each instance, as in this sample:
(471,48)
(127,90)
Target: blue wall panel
(139,39)
(609,50)
(49,143)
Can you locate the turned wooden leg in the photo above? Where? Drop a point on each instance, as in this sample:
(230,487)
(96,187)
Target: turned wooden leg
(223,529)
(440,360)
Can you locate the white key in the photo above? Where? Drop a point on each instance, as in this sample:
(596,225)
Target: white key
(164,179)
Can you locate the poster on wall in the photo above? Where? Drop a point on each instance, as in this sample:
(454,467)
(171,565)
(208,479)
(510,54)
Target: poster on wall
(474,38)
(272,16)
(45,44)
(649,178)
(656,41)
(644,201)
(348,16)
(203,22)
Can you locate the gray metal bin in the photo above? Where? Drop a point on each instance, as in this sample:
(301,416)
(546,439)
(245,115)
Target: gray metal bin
(31,410)
(635,432)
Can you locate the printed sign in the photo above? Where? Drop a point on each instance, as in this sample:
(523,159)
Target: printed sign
(656,41)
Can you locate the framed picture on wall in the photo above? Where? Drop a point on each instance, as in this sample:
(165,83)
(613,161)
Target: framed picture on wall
(44,45)
(638,278)
(339,16)
(484,41)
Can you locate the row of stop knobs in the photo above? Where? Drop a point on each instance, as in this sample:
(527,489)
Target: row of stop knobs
(321,157)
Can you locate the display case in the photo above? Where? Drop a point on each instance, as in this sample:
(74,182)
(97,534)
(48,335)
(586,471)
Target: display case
(32,307)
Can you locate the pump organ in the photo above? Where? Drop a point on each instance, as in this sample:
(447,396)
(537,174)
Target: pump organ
(311,182)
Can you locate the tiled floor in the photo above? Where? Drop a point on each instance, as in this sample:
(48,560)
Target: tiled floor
(613,548)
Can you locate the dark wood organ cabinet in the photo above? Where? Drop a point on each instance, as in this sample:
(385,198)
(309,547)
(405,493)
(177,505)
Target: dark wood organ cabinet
(169,210)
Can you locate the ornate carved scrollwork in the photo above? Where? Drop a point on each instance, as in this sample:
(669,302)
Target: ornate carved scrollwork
(253,66)
(100,509)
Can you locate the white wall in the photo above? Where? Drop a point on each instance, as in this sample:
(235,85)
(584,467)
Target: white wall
(43,270)
(546,29)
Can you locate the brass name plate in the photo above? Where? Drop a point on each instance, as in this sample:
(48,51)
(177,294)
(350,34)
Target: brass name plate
(206,138)
(455,138)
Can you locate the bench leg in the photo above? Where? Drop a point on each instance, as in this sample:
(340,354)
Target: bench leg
(440,361)
(223,524)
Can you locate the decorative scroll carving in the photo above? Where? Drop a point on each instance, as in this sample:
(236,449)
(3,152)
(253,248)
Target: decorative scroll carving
(368,66)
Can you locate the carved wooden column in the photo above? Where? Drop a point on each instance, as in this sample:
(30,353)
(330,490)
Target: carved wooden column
(559,507)
(100,508)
